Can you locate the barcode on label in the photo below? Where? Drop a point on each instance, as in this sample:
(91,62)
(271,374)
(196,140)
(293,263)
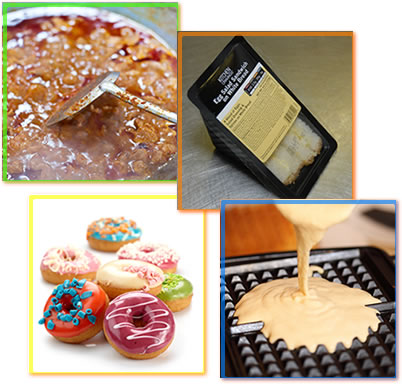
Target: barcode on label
(290,114)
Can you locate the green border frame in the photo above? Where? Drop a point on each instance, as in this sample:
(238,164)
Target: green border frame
(5,7)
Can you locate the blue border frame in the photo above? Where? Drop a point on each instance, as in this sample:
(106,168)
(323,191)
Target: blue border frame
(224,203)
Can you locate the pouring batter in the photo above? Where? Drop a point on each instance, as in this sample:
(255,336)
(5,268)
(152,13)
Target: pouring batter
(309,311)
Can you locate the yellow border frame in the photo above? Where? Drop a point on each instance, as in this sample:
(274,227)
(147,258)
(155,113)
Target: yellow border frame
(30,285)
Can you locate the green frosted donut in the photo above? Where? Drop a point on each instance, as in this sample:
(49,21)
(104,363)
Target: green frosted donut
(175,287)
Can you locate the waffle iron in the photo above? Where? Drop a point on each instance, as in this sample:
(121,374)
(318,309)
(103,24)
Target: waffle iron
(246,352)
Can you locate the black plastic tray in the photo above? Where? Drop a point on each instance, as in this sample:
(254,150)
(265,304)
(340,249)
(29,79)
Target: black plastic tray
(252,355)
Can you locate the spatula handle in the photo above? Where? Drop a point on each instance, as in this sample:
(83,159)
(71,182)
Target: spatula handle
(138,102)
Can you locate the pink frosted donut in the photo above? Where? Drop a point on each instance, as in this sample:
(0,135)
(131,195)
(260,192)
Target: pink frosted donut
(139,325)
(157,254)
(60,264)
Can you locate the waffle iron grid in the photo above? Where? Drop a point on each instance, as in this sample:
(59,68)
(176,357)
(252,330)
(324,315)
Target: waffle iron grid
(253,355)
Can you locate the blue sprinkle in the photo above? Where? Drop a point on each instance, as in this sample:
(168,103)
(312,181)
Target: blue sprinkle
(81,314)
(66,291)
(86,294)
(72,292)
(51,307)
(76,321)
(78,305)
(42,321)
(73,312)
(50,325)
(67,318)
(81,283)
(60,287)
(92,319)
(58,307)
(88,311)
(55,300)
(47,313)
(74,282)
(59,315)
(59,294)
(66,284)
(54,291)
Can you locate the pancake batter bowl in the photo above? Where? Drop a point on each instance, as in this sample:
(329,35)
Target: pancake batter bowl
(310,311)
(51,54)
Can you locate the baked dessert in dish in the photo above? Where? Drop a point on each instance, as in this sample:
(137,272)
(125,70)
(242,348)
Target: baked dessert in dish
(49,59)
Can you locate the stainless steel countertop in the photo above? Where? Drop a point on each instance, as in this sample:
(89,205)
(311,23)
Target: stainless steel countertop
(319,72)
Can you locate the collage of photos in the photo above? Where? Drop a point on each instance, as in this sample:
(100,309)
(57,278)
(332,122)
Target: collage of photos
(139,154)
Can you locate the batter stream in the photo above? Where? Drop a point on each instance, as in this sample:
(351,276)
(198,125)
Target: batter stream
(308,311)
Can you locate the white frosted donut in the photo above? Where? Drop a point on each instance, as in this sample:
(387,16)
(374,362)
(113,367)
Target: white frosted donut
(120,276)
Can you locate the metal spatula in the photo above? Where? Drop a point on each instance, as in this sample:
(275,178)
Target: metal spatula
(95,89)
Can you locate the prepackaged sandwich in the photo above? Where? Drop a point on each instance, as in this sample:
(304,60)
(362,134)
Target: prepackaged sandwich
(255,119)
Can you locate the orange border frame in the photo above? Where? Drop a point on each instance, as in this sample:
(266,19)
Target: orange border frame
(180,35)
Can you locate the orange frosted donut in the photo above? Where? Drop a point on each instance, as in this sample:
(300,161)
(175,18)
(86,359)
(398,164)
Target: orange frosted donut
(75,310)
(65,263)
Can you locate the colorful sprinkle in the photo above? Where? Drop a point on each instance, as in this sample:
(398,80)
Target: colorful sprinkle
(92,319)
(42,321)
(81,314)
(72,292)
(55,300)
(73,312)
(76,321)
(50,325)
(47,313)
(88,311)
(74,282)
(86,294)
(81,283)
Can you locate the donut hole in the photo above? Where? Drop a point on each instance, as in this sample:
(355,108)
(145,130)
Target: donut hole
(67,305)
(139,320)
(68,257)
(147,249)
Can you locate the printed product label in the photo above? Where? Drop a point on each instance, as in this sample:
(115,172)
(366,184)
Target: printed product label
(259,112)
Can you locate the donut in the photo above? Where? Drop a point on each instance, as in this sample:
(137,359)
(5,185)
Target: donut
(176,292)
(60,264)
(121,276)
(157,254)
(110,234)
(74,311)
(139,325)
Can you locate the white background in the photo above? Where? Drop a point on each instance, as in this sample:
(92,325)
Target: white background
(64,222)
(377,25)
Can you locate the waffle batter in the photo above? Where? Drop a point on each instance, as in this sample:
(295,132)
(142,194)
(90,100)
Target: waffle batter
(310,311)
